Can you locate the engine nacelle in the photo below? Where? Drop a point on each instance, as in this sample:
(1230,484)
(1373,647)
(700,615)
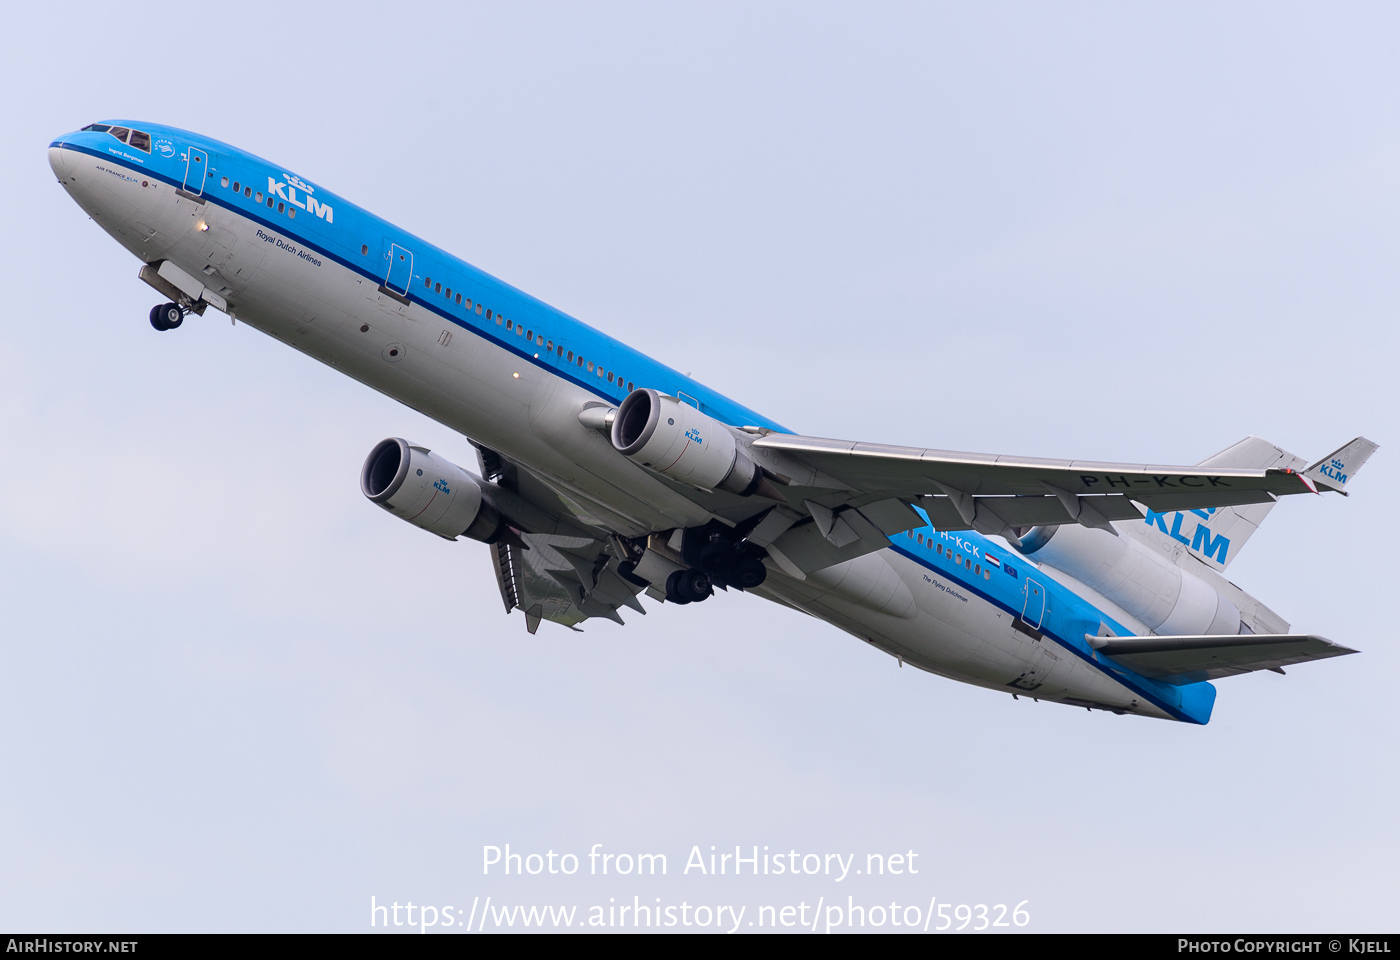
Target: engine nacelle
(678,441)
(1166,599)
(414,484)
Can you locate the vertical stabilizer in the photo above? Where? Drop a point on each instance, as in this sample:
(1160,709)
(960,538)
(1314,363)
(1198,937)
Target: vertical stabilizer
(1215,536)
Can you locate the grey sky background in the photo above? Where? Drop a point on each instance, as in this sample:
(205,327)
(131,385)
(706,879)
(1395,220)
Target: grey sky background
(239,697)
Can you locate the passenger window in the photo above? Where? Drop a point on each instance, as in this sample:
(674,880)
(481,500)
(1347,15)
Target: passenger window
(529,335)
(223,182)
(248,192)
(938,549)
(120,133)
(580,362)
(510,325)
(269,203)
(141,140)
(590,366)
(958,559)
(427,281)
(571,356)
(364,249)
(519,330)
(478,307)
(258,198)
(987,574)
(610,378)
(488,316)
(291,212)
(237,187)
(281,207)
(977,570)
(549,347)
(448,294)
(921,539)
(437,288)
(459,299)
(630,388)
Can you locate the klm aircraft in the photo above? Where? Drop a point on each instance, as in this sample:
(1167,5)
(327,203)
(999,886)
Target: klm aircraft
(604,475)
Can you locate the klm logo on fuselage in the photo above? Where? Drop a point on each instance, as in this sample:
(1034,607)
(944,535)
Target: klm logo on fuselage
(1335,470)
(442,485)
(287,190)
(1210,547)
(694,435)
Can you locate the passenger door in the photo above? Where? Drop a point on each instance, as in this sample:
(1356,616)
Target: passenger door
(1033,610)
(196,172)
(398,272)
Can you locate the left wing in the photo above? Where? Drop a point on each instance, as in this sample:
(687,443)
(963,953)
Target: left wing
(557,567)
(1181,660)
(564,579)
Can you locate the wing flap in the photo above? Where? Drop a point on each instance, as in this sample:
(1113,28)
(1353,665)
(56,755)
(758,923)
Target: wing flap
(1182,660)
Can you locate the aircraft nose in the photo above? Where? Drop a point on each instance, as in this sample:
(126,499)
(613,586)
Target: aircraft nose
(60,162)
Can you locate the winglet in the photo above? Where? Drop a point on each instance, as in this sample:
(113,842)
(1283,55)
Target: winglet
(1334,470)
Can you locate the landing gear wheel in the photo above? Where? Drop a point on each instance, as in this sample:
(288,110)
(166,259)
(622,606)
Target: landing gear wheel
(688,586)
(748,574)
(167,316)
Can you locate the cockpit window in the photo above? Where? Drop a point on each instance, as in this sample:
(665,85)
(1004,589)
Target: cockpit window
(97,127)
(119,132)
(141,140)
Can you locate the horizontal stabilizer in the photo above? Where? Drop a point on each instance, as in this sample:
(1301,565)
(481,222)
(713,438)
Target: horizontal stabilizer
(1181,660)
(1334,470)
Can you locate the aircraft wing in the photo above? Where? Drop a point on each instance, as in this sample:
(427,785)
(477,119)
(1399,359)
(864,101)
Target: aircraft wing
(996,494)
(560,568)
(1181,660)
(563,579)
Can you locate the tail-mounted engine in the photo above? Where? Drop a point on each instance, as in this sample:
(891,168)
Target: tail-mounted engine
(414,484)
(1162,596)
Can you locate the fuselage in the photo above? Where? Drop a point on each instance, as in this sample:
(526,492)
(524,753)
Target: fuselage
(313,270)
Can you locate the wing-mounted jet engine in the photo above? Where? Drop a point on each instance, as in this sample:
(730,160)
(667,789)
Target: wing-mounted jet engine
(1164,597)
(678,441)
(416,485)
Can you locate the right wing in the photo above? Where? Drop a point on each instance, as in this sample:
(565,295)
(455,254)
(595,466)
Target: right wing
(843,497)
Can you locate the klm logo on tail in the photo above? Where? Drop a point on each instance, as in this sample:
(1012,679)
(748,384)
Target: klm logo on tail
(1335,470)
(1201,542)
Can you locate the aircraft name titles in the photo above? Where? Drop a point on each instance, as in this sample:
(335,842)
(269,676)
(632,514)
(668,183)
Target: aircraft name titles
(284,245)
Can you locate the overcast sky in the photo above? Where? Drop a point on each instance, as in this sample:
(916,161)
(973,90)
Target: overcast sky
(239,697)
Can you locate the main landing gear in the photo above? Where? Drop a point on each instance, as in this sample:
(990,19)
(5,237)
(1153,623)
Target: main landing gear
(716,556)
(167,316)
(688,586)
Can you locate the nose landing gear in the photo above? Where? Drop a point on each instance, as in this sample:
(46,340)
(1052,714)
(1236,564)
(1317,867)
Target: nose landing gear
(167,316)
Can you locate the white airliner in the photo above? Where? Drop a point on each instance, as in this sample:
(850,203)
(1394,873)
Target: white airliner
(605,475)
